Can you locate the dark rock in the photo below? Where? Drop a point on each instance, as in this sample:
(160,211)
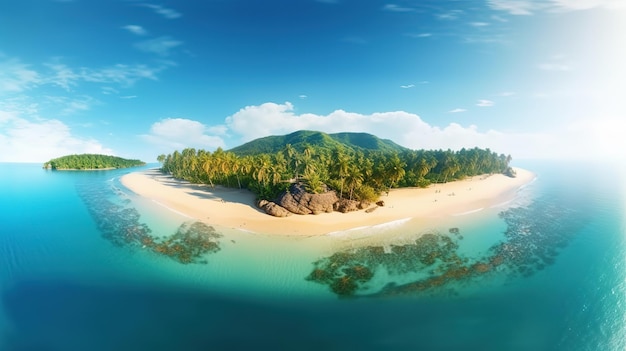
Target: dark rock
(271,208)
(380,203)
(364,204)
(262,203)
(345,205)
(298,201)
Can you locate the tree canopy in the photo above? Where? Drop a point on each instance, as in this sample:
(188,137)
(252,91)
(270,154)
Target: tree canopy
(359,174)
(90,161)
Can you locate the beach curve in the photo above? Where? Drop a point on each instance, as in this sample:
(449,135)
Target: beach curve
(235,208)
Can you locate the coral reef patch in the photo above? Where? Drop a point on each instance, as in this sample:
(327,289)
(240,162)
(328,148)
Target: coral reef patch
(534,236)
(120,224)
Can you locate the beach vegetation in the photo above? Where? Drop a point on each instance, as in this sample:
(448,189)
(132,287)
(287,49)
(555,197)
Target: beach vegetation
(91,162)
(358,166)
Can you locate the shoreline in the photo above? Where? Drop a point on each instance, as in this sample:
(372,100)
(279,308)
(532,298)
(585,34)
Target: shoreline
(235,208)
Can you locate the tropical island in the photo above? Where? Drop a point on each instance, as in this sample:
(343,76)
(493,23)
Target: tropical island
(85,162)
(309,172)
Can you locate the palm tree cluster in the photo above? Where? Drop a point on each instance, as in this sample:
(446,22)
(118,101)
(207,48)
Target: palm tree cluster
(353,174)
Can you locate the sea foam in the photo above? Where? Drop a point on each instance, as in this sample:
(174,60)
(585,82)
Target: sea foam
(365,231)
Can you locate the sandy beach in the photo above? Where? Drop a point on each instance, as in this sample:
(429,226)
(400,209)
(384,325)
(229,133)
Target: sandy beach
(235,208)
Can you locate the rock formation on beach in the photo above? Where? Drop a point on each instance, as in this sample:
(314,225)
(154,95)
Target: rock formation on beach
(298,201)
(271,208)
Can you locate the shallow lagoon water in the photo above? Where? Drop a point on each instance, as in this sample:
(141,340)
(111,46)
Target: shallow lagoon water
(63,286)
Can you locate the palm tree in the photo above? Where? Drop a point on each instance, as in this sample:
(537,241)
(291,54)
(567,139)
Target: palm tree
(450,165)
(354,179)
(292,158)
(280,163)
(234,164)
(395,170)
(340,166)
(307,160)
(261,169)
(219,162)
(207,166)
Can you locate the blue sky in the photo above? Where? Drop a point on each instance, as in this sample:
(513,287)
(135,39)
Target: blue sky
(536,79)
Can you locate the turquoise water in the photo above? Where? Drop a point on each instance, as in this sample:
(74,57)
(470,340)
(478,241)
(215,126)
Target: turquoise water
(558,283)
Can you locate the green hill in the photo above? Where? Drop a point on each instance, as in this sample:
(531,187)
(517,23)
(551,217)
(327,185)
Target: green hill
(299,139)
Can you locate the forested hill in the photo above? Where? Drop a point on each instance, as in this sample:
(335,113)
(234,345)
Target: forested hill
(90,162)
(300,139)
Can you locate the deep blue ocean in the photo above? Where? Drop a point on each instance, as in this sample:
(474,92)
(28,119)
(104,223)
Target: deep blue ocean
(546,272)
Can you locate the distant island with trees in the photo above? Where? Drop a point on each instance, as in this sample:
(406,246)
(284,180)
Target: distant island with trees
(90,162)
(356,166)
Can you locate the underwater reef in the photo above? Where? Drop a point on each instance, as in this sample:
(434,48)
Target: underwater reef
(120,224)
(534,236)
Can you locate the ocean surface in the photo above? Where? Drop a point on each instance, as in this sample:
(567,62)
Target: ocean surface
(546,271)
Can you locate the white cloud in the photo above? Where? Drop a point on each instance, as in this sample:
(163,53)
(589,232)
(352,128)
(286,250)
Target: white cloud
(420,35)
(23,140)
(218,130)
(160,46)
(506,93)
(135,29)
(71,105)
(17,77)
(450,15)
(499,18)
(302,96)
(164,11)
(583,139)
(180,133)
(514,7)
(485,103)
(63,76)
(109,90)
(396,8)
(485,39)
(122,74)
(404,128)
(457,110)
(126,75)
(478,24)
(573,5)
(529,7)
(408,86)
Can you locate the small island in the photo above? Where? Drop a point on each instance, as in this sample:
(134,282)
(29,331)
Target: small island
(310,172)
(86,162)
(297,176)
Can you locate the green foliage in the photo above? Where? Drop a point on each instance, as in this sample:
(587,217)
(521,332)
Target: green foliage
(423,183)
(318,159)
(314,184)
(367,193)
(91,161)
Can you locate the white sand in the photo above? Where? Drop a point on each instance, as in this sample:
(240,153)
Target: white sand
(234,208)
